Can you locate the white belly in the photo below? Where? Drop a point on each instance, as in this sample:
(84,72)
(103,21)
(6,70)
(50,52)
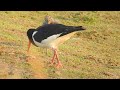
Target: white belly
(46,43)
(61,40)
(43,45)
(53,41)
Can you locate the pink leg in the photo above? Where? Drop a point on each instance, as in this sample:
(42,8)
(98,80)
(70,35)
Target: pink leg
(58,61)
(53,59)
(56,56)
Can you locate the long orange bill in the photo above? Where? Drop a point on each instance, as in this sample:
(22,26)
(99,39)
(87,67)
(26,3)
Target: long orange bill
(29,44)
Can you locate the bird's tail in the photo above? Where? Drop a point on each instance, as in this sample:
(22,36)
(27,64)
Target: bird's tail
(77,28)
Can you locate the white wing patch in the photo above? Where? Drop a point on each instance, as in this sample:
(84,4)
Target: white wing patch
(34,33)
(50,39)
(46,42)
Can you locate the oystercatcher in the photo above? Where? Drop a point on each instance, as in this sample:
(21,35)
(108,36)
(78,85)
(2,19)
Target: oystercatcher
(49,20)
(51,36)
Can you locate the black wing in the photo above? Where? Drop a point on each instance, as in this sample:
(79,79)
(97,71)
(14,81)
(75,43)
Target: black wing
(53,29)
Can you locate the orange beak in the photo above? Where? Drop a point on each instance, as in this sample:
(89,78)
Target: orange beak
(29,44)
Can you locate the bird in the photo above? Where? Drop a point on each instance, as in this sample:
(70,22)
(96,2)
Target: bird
(49,20)
(51,36)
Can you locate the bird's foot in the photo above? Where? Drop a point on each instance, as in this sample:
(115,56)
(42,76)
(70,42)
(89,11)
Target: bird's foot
(52,63)
(59,65)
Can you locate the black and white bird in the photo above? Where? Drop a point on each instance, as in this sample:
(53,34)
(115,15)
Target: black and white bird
(49,20)
(51,36)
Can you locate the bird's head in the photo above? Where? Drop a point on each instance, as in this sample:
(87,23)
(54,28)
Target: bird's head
(29,34)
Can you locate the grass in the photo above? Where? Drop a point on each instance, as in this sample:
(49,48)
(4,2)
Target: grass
(92,54)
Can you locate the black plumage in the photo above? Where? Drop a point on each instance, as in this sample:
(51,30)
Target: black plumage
(51,35)
(52,29)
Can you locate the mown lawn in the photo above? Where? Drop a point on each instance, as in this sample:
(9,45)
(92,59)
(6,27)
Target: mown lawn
(91,54)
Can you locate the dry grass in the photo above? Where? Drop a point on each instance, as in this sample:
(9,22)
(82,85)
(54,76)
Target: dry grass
(94,53)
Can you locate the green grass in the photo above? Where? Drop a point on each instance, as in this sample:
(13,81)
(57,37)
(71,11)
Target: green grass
(94,53)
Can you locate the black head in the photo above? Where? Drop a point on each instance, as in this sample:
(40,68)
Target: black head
(29,33)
